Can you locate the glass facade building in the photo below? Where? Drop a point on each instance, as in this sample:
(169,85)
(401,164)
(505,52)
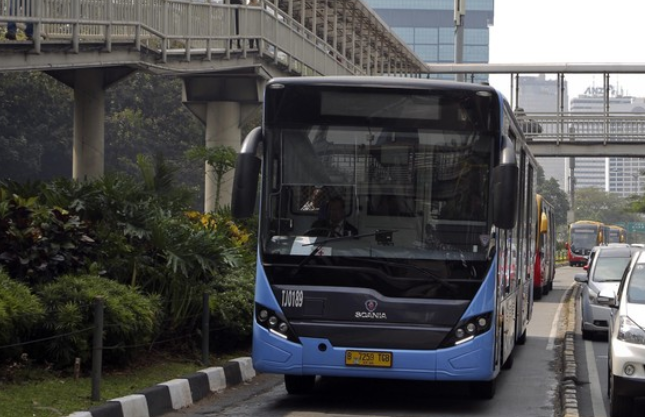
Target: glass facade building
(428,27)
(620,176)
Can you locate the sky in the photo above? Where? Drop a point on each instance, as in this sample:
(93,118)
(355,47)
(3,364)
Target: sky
(570,31)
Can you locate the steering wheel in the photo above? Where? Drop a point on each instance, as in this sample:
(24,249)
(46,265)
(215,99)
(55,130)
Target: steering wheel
(319,232)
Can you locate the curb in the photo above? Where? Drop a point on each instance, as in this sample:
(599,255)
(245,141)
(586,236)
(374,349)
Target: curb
(568,389)
(175,394)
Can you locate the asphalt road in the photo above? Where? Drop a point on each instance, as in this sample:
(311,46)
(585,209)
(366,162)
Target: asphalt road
(530,388)
(591,357)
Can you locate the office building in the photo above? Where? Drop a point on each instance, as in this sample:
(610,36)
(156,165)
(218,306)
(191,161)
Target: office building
(428,27)
(616,175)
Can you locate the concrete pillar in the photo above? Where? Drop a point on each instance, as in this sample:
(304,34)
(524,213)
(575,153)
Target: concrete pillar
(89,124)
(222,128)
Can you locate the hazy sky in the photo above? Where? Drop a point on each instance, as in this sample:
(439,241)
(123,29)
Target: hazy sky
(570,31)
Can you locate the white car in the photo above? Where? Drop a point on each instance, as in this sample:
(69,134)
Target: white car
(604,271)
(626,338)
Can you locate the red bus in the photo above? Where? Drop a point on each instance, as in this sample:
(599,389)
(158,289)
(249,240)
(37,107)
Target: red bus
(583,236)
(544,248)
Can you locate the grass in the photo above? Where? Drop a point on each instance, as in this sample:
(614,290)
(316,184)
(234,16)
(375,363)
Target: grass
(37,392)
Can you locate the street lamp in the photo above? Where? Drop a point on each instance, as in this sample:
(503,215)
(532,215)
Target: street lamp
(460,13)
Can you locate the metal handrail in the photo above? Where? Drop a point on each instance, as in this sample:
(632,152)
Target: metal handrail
(572,126)
(187,28)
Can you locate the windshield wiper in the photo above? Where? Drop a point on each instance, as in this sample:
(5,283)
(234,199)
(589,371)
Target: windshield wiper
(433,276)
(383,237)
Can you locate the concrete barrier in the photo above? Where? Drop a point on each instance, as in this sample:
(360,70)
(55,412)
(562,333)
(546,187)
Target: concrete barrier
(174,394)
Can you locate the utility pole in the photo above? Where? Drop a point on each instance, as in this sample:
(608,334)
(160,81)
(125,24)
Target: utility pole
(460,15)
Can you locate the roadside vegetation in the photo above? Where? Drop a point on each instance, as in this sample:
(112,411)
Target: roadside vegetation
(139,246)
(136,237)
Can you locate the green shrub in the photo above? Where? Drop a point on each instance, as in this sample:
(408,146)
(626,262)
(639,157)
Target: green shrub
(130,319)
(231,307)
(38,243)
(20,312)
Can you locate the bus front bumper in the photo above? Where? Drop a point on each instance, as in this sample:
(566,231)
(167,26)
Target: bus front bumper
(470,361)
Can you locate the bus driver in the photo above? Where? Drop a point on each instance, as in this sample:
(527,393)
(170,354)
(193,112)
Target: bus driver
(335,225)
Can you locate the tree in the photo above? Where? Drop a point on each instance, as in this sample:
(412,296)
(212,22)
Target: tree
(552,192)
(598,205)
(221,158)
(36,127)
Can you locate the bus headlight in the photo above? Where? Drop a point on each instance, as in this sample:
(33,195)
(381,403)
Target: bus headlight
(467,329)
(263,315)
(274,322)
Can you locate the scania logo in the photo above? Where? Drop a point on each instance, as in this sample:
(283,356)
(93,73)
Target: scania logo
(370,305)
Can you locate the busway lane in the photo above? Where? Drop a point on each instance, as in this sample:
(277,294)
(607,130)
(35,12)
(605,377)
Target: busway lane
(530,388)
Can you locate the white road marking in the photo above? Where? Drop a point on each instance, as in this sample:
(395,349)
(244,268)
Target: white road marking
(556,323)
(597,402)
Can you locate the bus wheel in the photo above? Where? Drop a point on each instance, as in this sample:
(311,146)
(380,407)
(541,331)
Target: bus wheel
(522,339)
(483,390)
(299,384)
(537,293)
(545,290)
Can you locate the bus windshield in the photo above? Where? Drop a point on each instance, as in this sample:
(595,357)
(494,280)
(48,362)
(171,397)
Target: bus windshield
(408,174)
(584,237)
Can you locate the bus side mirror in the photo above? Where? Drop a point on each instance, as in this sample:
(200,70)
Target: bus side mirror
(544,223)
(247,172)
(505,187)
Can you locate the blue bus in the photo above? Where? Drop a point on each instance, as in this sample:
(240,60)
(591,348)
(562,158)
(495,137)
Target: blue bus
(433,280)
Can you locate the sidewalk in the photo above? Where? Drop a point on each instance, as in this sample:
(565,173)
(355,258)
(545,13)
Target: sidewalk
(175,394)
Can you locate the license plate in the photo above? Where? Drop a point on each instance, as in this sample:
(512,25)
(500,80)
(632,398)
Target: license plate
(368,358)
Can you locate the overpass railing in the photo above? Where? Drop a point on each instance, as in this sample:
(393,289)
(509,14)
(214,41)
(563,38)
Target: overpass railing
(183,29)
(572,126)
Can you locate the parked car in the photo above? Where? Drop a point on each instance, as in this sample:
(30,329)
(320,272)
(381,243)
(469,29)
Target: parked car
(626,338)
(605,270)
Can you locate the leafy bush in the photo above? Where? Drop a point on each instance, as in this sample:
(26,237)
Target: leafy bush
(231,306)
(130,319)
(38,243)
(145,236)
(20,312)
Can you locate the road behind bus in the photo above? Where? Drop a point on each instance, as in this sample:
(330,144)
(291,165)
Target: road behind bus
(530,388)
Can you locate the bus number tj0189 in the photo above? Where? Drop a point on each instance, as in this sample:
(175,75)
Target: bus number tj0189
(292,298)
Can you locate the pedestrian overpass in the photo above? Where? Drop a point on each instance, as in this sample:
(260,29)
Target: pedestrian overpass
(564,133)
(92,44)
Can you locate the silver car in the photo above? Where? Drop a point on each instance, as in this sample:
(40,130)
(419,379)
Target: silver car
(605,271)
(626,338)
